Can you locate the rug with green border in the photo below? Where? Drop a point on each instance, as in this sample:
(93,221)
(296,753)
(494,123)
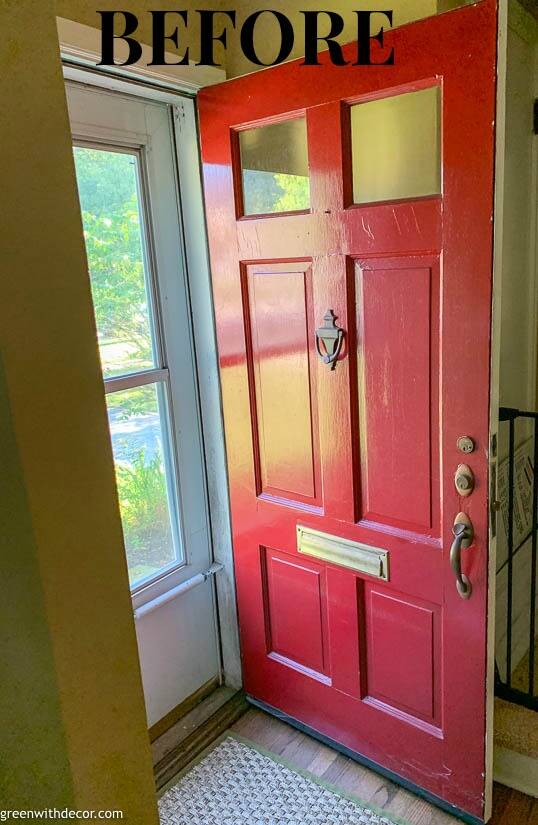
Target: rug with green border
(235,782)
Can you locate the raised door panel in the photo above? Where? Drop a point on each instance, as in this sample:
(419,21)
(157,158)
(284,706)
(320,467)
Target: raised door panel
(282,372)
(295,612)
(398,375)
(402,672)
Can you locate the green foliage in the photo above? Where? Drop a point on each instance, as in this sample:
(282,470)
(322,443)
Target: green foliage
(144,511)
(267,192)
(135,401)
(109,201)
(295,193)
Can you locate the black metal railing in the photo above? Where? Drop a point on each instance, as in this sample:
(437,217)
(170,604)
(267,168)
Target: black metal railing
(517,537)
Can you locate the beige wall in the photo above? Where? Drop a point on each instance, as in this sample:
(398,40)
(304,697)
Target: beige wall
(518,319)
(85,11)
(73,723)
(267,29)
(519,326)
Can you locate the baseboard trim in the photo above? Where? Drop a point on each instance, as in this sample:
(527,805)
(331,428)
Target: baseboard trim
(368,763)
(182,709)
(516,770)
(192,746)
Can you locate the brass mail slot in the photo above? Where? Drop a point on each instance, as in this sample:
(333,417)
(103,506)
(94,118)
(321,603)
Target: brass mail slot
(361,557)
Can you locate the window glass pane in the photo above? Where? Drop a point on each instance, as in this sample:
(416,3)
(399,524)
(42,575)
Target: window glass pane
(139,432)
(396,147)
(274,163)
(110,204)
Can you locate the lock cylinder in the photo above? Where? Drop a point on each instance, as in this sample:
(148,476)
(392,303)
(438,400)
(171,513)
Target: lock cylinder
(464,480)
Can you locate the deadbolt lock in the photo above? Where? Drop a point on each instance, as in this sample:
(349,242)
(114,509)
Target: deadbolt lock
(465,444)
(464,480)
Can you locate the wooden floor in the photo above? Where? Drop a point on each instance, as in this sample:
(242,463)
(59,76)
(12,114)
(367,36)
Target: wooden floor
(510,807)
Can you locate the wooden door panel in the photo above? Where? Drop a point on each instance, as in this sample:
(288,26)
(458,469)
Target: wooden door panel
(295,637)
(403,655)
(282,367)
(398,390)
(404,227)
(345,600)
(401,228)
(286,237)
(392,670)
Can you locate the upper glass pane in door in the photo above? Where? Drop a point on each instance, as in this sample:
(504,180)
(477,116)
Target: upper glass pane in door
(109,198)
(274,166)
(396,147)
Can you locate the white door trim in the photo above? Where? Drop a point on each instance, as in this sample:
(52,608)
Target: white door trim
(500,126)
(203,318)
(203,331)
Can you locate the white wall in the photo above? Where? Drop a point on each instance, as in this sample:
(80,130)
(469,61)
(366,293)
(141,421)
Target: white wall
(519,327)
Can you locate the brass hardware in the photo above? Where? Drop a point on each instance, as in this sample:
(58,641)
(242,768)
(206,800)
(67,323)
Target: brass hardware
(464,480)
(332,337)
(463,538)
(372,561)
(465,444)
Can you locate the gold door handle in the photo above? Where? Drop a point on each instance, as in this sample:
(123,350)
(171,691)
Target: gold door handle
(463,537)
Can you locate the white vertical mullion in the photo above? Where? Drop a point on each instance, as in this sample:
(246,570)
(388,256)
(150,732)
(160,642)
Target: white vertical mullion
(150,260)
(170,458)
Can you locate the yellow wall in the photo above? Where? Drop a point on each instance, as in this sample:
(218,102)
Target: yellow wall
(267,29)
(73,722)
(85,11)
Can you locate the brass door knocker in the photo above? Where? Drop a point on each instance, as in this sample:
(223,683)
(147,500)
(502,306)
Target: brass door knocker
(332,337)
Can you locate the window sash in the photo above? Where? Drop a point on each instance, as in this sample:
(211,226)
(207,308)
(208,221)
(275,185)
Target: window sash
(158,375)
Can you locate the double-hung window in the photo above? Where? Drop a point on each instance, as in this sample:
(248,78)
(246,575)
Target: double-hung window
(133,157)
(126,299)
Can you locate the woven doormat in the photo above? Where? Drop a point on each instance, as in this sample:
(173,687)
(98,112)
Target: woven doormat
(237,784)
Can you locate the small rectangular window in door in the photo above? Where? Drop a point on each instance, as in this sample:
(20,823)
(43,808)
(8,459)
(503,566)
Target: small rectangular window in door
(396,146)
(274,168)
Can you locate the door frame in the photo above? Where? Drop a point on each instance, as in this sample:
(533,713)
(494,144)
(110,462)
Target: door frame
(512,16)
(486,726)
(79,52)
(500,126)
(79,59)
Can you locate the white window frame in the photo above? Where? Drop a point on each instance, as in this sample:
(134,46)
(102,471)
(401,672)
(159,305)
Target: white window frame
(177,86)
(159,374)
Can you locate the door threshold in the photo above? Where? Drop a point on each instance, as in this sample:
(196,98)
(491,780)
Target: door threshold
(368,763)
(183,742)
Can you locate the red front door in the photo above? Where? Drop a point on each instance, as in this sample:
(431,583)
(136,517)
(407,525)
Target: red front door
(367,192)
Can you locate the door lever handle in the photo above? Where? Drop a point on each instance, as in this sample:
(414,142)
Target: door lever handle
(463,538)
